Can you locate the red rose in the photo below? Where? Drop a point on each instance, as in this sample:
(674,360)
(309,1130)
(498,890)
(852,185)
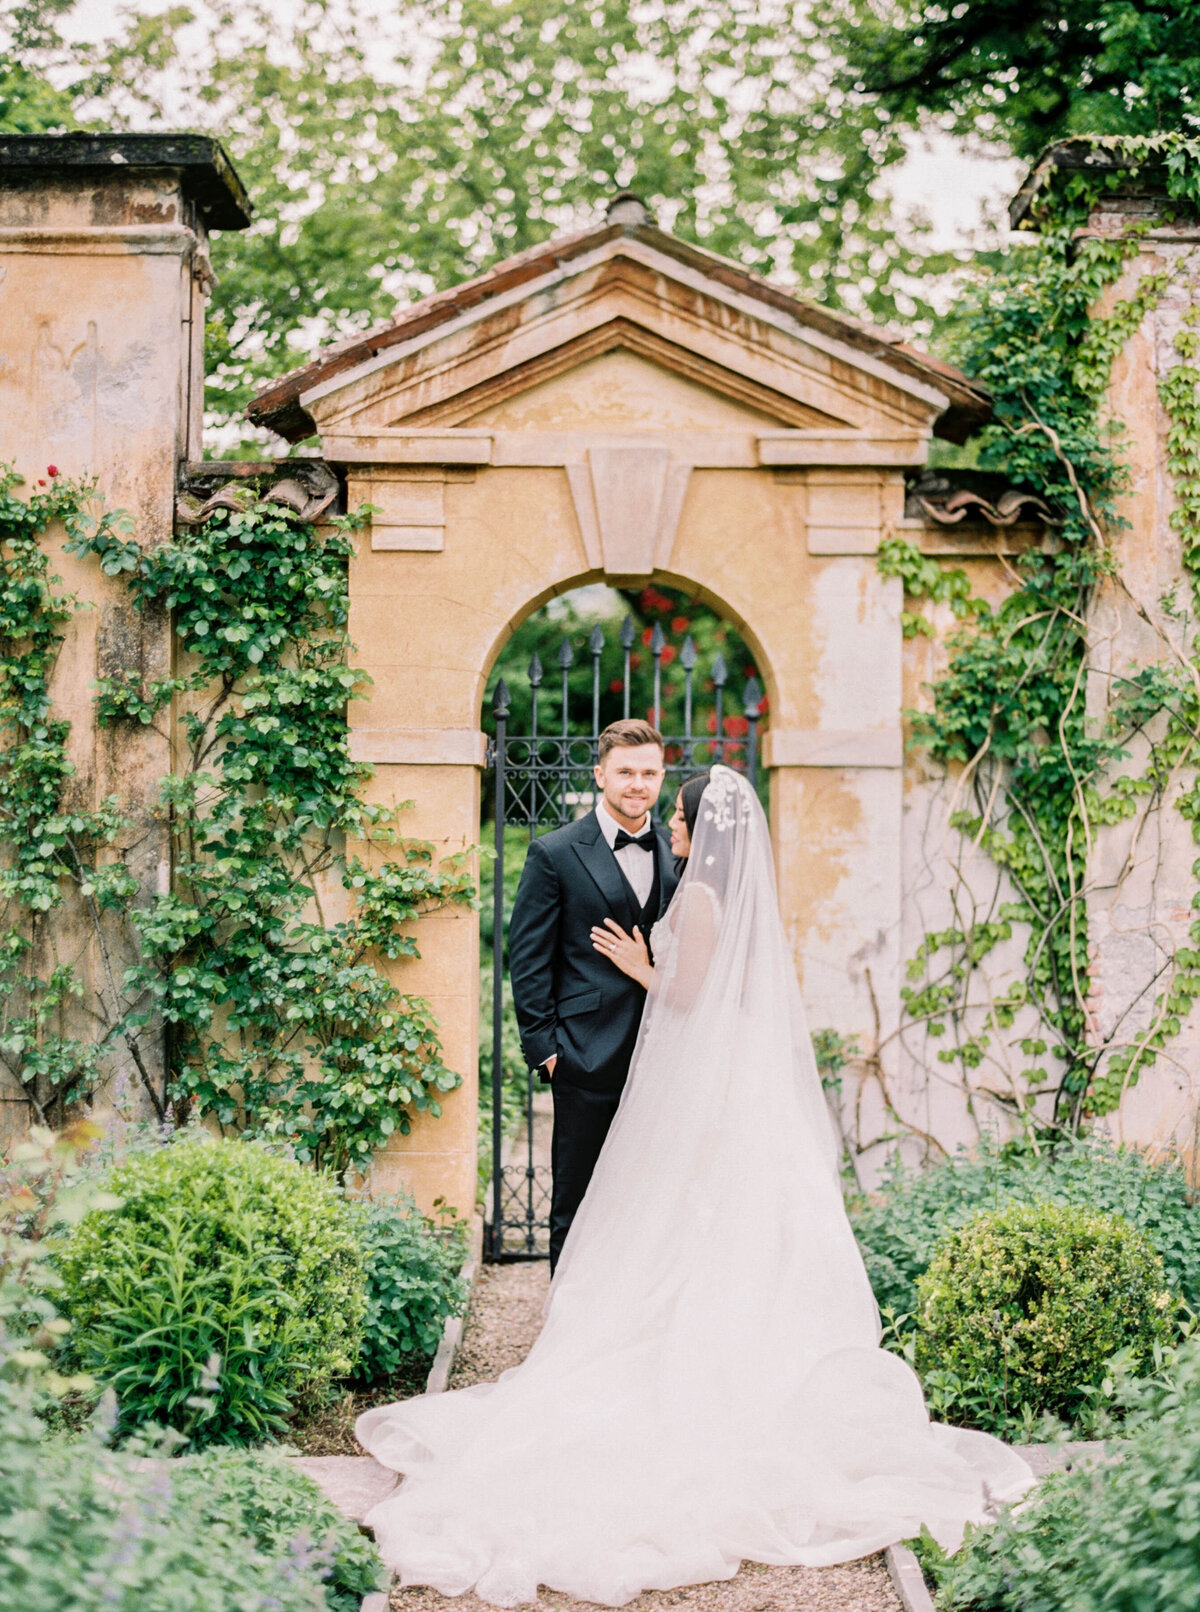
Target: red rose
(52,470)
(680,624)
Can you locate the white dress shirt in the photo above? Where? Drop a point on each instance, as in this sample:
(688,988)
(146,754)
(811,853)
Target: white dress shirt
(637,865)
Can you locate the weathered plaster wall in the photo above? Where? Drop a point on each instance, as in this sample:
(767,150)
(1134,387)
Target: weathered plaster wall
(1142,872)
(102,284)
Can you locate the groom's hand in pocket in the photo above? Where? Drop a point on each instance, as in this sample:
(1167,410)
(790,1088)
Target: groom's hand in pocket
(548,1066)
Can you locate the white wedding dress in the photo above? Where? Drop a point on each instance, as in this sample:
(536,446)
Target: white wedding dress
(708,1385)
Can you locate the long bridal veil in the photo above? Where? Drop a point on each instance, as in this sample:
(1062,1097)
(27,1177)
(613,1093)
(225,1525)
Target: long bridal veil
(708,1385)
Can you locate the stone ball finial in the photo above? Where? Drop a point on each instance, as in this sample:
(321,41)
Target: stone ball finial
(627,208)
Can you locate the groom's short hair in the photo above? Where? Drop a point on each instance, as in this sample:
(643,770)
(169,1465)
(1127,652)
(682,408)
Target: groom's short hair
(627,735)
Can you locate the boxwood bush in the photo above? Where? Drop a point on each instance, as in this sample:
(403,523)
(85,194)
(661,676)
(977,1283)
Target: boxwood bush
(1123,1537)
(1023,1308)
(899,1227)
(228,1283)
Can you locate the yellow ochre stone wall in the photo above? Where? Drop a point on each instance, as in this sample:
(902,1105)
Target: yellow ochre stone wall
(102,287)
(429,622)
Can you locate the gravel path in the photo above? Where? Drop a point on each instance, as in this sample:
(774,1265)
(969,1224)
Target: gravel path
(506,1313)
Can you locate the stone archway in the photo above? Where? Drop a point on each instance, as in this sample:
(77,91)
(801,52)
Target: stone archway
(621,406)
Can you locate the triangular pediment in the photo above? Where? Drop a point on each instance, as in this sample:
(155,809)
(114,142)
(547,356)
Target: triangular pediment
(619,329)
(624,388)
(620,377)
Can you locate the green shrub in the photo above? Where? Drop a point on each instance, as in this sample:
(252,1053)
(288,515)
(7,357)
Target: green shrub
(90,1529)
(412,1285)
(266,1498)
(97,1530)
(228,1282)
(899,1227)
(1026,1306)
(1118,1538)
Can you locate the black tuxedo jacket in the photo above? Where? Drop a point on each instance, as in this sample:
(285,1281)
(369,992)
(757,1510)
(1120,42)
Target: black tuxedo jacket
(570,1000)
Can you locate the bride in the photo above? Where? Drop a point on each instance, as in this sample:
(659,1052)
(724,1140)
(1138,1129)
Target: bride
(708,1384)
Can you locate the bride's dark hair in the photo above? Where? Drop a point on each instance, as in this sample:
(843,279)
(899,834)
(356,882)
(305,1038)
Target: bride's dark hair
(690,794)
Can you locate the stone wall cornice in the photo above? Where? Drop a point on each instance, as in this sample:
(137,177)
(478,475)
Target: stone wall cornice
(207,176)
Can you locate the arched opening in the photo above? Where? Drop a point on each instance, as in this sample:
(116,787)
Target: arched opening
(584,658)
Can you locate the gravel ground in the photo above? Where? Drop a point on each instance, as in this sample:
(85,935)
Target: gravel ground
(505,1317)
(506,1313)
(859,1587)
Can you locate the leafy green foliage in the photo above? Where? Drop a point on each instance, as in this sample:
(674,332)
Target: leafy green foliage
(391,151)
(30,101)
(413,1285)
(899,1227)
(924,578)
(41,1196)
(86,1527)
(1026,1306)
(1118,1538)
(264,1497)
(284,1026)
(101,1531)
(227,1283)
(55,856)
(1008,710)
(1026,75)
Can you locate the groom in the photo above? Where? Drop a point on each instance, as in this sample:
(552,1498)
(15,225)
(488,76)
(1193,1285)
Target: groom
(578,1014)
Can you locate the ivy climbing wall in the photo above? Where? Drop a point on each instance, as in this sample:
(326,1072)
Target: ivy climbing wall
(1050,856)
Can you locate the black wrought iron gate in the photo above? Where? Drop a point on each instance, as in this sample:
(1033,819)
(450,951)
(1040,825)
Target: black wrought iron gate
(543,780)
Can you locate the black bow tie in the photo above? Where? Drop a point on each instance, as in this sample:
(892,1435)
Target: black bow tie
(643,841)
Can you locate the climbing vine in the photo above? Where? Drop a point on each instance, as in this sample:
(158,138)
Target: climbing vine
(1035,779)
(259,964)
(63,875)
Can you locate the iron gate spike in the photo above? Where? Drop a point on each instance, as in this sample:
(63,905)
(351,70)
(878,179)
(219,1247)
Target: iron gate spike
(501,700)
(752,696)
(596,641)
(628,633)
(720,672)
(657,639)
(535,672)
(566,655)
(687,655)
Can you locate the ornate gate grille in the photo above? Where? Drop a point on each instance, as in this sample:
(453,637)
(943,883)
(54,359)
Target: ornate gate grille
(542,781)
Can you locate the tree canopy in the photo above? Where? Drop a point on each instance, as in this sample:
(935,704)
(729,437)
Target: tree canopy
(396,150)
(1027,72)
(389,153)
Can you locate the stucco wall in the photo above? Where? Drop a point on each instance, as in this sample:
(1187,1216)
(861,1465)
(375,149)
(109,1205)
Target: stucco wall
(102,287)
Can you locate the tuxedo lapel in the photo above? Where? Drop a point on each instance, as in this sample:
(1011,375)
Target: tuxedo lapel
(599,861)
(667,879)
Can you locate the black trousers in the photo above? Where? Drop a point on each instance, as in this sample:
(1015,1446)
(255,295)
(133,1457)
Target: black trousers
(581,1122)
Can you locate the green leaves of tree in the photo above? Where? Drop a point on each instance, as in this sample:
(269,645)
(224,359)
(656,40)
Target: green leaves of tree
(1027,73)
(393,151)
